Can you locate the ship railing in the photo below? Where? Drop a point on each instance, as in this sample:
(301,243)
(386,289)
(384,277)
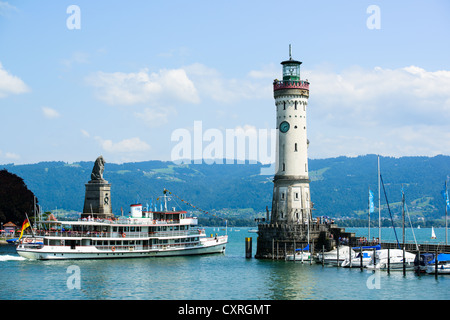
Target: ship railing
(131,220)
(72,234)
(122,248)
(146,222)
(115,234)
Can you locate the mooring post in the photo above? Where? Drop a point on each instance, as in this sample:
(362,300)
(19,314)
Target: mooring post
(293,251)
(248,247)
(436,265)
(418,259)
(389,260)
(302,255)
(273,245)
(337,256)
(360,258)
(404,262)
(278,250)
(375,260)
(323,254)
(350,256)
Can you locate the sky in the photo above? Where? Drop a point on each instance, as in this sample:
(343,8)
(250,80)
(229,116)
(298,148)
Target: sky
(141,80)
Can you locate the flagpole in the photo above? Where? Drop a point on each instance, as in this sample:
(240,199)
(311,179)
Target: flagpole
(31,227)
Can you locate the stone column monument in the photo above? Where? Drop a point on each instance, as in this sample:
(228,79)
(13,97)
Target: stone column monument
(97,200)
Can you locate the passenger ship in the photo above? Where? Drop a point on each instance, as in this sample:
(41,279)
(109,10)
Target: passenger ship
(142,234)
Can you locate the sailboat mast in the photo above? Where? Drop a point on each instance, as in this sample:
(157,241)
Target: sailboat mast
(403,216)
(379,203)
(445,205)
(368,213)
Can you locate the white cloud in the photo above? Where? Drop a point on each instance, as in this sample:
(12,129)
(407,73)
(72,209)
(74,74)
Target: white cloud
(85,133)
(10,84)
(213,85)
(50,113)
(127,145)
(9,156)
(267,72)
(373,94)
(77,57)
(120,88)
(6,8)
(155,117)
(396,112)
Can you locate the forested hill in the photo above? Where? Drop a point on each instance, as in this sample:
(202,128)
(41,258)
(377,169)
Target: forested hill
(339,186)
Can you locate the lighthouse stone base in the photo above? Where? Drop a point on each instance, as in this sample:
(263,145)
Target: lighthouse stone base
(275,241)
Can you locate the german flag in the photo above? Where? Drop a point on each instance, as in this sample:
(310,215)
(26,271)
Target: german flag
(25,225)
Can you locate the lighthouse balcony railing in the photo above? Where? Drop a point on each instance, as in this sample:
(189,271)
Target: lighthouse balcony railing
(290,84)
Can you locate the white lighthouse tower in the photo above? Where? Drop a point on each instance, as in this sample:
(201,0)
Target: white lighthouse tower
(291,196)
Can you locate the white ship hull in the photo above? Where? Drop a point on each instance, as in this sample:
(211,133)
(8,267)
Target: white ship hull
(206,246)
(143,234)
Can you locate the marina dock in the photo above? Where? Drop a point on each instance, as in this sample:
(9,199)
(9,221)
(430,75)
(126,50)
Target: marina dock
(275,241)
(424,247)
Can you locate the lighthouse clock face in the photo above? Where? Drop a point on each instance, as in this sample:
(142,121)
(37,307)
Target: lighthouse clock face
(284,126)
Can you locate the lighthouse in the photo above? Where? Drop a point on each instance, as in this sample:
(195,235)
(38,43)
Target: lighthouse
(290,227)
(291,196)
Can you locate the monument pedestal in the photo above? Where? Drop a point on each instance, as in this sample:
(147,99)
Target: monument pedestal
(97,200)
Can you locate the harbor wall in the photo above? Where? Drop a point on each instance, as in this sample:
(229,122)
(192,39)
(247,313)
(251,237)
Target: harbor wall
(277,240)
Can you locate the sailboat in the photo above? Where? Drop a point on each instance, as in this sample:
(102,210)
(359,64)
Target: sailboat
(300,255)
(433,235)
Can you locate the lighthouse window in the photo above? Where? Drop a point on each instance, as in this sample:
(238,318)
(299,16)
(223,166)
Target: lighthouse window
(295,105)
(284,105)
(284,166)
(295,148)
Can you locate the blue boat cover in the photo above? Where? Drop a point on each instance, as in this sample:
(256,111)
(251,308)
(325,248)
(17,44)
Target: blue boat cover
(441,257)
(377,247)
(304,249)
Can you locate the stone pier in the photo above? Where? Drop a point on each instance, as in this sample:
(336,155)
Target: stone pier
(275,241)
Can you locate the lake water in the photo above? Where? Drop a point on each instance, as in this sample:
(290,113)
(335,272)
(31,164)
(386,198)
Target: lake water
(227,276)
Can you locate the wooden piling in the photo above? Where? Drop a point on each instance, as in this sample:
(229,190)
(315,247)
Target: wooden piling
(350,256)
(436,265)
(248,248)
(337,256)
(273,245)
(389,261)
(361,258)
(404,262)
(323,255)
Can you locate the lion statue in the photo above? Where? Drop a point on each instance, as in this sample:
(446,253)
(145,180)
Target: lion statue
(99,167)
